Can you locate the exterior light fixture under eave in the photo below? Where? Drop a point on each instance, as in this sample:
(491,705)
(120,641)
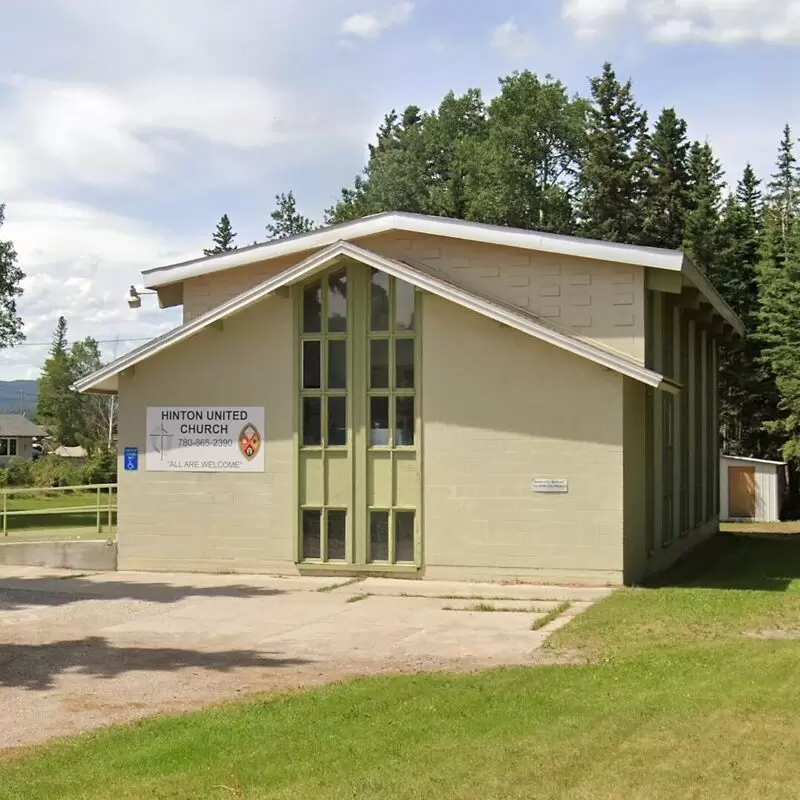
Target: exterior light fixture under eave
(134,297)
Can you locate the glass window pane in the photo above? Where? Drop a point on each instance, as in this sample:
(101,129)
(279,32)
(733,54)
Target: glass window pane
(404,363)
(404,422)
(337,364)
(379,364)
(379,420)
(312,365)
(12,447)
(404,306)
(312,421)
(337,421)
(379,536)
(337,535)
(3,447)
(404,536)
(337,302)
(312,308)
(379,320)
(311,534)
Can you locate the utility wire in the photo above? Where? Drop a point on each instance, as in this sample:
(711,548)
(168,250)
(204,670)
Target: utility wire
(99,341)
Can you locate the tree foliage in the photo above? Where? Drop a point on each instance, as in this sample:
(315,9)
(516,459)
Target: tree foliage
(222,237)
(779,285)
(10,289)
(72,418)
(58,406)
(286,219)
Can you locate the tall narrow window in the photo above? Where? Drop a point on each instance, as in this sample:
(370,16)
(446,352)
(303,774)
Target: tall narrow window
(392,419)
(324,418)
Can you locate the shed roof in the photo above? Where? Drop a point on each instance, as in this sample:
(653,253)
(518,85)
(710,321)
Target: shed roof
(17,425)
(755,460)
(105,379)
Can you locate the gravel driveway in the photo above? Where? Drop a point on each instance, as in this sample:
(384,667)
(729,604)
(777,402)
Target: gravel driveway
(82,650)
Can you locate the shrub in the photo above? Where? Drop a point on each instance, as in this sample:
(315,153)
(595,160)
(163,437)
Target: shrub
(55,471)
(19,472)
(101,467)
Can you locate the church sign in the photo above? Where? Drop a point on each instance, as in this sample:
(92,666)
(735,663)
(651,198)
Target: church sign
(205,439)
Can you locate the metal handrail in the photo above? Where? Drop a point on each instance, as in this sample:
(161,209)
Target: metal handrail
(97,506)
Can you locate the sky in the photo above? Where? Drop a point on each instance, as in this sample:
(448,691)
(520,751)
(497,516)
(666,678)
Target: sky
(128,129)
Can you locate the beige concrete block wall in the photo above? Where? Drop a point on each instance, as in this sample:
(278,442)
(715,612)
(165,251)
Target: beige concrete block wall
(222,521)
(209,291)
(596,300)
(501,409)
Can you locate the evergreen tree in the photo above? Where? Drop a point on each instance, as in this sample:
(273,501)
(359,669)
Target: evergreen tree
(779,285)
(10,289)
(612,177)
(222,237)
(667,184)
(748,395)
(286,219)
(702,231)
(58,406)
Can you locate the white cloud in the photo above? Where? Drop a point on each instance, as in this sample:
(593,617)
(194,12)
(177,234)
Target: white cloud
(671,21)
(79,262)
(513,42)
(590,17)
(105,136)
(370,25)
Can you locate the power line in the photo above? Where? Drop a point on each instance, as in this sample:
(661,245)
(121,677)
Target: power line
(99,341)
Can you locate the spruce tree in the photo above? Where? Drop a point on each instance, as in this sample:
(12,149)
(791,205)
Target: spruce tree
(286,219)
(748,395)
(10,289)
(667,187)
(613,175)
(702,232)
(779,285)
(58,406)
(222,237)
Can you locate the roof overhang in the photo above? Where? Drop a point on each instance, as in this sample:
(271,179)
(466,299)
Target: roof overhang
(106,379)
(167,279)
(421,224)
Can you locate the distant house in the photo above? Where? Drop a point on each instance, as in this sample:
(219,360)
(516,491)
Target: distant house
(16,437)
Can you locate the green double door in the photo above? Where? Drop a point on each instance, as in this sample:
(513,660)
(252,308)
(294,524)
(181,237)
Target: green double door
(358,439)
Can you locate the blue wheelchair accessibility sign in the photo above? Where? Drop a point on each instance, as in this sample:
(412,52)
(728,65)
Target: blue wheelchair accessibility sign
(131,459)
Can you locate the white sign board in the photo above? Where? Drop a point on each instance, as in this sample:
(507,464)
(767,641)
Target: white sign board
(550,485)
(205,439)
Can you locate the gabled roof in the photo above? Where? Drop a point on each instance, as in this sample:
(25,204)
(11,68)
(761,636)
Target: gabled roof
(105,379)
(654,257)
(17,425)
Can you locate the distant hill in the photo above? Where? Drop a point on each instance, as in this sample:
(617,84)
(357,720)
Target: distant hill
(16,396)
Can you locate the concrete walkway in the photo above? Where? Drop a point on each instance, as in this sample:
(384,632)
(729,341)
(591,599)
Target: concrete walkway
(80,650)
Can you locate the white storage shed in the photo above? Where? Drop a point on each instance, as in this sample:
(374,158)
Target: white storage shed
(751,488)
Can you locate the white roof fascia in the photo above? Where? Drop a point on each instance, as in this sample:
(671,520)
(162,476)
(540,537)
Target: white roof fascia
(422,224)
(448,291)
(755,460)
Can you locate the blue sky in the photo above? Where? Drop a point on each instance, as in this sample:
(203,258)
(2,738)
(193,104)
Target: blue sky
(126,130)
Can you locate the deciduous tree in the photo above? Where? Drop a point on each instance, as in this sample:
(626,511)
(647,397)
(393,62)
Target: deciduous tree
(10,289)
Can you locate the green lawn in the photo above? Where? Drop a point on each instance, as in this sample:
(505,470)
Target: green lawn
(685,691)
(60,521)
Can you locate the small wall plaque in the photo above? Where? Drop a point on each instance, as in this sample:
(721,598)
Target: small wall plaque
(550,485)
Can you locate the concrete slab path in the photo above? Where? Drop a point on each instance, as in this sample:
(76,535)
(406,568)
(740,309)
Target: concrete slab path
(81,650)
